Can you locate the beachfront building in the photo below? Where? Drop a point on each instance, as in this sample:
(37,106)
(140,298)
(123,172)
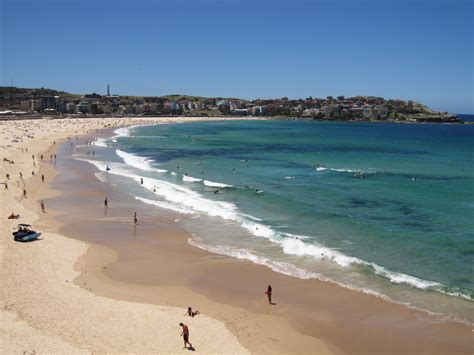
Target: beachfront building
(83,107)
(48,102)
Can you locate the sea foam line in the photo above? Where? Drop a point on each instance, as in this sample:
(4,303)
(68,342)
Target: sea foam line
(290,244)
(138,162)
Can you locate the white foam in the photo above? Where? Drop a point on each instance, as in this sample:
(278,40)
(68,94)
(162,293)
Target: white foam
(187,178)
(166,205)
(320,168)
(189,200)
(398,278)
(177,194)
(123,131)
(101,176)
(215,184)
(295,246)
(138,162)
(278,266)
(343,170)
(456,293)
(100,142)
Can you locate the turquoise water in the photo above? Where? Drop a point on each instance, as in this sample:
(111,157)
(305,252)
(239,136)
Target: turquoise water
(384,208)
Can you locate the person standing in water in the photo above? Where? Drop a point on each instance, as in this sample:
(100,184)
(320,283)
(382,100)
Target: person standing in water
(135,220)
(106,202)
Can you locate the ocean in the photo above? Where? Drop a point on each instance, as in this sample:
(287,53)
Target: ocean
(385,208)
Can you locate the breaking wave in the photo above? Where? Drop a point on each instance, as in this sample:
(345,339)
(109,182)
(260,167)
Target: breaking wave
(184,200)
(138,162)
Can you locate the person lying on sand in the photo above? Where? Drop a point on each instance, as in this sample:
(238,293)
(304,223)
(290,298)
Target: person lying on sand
(190,312)
(13,216)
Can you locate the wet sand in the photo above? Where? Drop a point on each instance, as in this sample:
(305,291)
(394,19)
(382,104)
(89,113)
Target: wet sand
(153,263)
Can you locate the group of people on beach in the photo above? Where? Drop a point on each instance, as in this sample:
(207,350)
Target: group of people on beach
(135,218)
(185,328)
(192,314)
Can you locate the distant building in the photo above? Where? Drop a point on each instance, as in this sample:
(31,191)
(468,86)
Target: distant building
(239,112)
(71,107)
(95,109)
(367,111)
(83,107)
(35,105)
(48,102)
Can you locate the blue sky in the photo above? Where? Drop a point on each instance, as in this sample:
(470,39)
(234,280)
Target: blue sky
(420,50)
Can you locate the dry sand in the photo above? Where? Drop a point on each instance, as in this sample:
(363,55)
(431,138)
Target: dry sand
(42,310)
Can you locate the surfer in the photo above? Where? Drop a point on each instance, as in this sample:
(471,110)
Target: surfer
(107,168)
(141,181)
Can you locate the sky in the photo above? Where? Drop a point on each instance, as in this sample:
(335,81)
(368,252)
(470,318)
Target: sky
(409,49)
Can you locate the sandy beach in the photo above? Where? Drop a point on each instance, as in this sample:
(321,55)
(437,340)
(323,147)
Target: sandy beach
(76,290)
(43,311)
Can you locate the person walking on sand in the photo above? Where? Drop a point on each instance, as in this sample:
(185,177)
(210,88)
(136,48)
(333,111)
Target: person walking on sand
(185,335)
(24,193)
(42,206)
(106,202)
(42,177)
(135,220)
(269,294)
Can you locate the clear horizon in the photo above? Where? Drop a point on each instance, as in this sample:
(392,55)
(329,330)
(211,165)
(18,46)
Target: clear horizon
(419,50)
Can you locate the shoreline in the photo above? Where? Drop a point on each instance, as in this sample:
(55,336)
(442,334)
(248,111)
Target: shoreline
(227,306)
(217,118)
(38,297)
(120,272)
